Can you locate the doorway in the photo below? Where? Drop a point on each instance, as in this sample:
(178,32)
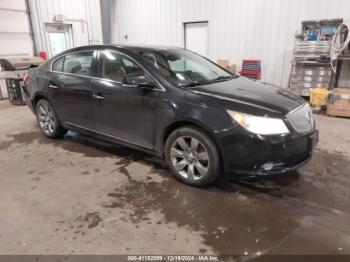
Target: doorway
(59,38)
(196,37)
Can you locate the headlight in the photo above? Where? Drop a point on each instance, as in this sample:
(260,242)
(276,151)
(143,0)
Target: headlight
(259,125)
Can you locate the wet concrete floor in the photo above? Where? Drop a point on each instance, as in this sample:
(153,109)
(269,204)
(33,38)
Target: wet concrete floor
(81,196)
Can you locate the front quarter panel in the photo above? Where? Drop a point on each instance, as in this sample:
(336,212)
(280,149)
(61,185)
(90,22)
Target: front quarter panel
(242,151)
(175,107)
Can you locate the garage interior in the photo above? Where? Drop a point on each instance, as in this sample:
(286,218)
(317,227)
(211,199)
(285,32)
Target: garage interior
(82,196)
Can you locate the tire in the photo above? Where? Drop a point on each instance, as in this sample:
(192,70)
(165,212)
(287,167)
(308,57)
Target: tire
(192,156)
(48,121)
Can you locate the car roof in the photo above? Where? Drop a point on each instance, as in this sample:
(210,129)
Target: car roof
(125,47)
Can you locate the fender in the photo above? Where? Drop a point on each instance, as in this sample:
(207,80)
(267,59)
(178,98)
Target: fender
(178,123)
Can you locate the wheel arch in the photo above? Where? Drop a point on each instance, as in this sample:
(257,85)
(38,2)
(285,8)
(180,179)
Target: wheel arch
(37,97)
(40,96)
(191,123)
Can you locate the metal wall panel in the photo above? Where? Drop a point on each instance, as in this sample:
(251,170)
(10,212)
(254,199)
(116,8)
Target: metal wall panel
(15,37)
(238,29)
(43,11)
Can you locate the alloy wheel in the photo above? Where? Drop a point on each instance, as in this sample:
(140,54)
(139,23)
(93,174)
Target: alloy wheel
(189,157)
(46,119)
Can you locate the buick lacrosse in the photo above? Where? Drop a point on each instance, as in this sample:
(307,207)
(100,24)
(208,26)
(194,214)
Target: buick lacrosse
(204,121)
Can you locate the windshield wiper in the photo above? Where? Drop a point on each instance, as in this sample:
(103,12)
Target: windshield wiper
(221,78)
(198,83)
(191,84)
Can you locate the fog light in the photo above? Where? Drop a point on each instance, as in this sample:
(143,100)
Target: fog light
(268,166)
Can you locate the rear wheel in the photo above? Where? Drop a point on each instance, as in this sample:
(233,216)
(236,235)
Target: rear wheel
(192,156)
(48,121)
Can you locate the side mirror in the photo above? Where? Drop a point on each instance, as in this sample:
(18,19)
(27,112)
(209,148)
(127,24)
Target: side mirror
(140,80)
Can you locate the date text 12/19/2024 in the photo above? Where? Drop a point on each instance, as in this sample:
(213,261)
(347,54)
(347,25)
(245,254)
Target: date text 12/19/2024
(174,258)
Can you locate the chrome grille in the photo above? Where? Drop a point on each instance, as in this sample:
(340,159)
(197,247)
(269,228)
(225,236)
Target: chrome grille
(302,119)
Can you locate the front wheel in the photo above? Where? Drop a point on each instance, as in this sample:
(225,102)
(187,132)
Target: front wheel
(47,119)
(192,156)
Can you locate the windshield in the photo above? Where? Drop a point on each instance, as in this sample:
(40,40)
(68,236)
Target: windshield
(184,68)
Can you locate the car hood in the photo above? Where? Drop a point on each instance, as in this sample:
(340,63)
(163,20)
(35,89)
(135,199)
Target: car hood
(252,93)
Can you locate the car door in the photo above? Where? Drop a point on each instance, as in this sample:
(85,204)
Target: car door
(122,111)
(70,88)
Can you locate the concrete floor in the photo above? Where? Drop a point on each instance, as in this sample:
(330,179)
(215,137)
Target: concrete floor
(79,196)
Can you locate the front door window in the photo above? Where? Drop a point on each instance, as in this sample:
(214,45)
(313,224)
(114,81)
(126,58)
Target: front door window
(115,66)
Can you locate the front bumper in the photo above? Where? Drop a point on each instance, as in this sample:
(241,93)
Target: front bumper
(248,155)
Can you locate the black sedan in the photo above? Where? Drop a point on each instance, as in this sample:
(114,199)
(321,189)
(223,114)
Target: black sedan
(175,104)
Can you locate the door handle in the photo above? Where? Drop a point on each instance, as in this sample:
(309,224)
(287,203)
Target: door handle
(53,86)
(99,97)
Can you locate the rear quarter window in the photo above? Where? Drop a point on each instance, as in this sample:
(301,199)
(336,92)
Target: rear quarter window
(57,65)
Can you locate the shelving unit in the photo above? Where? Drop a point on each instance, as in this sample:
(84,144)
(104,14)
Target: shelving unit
(311,66)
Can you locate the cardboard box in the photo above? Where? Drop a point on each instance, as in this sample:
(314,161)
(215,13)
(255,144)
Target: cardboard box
(342,90)
(223,63)
(339,104)
(232,69)
(338,110)
(226,64)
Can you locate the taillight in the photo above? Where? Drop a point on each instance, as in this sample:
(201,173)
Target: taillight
(25,79)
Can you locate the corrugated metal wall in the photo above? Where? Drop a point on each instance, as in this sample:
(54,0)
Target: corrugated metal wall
(15,34)
(238,29)
(43,11)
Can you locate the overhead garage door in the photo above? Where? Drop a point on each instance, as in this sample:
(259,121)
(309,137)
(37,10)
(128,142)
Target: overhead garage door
(15,30)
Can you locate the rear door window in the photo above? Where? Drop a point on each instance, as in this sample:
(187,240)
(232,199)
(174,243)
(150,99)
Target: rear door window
(78,63)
